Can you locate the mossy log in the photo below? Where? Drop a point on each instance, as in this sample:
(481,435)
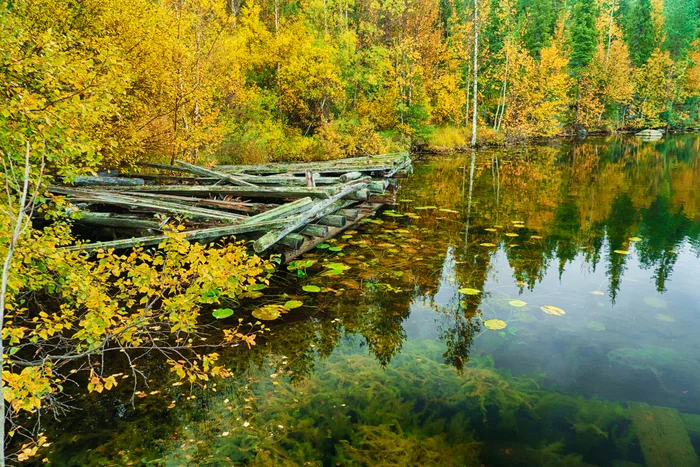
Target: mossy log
(110,219)
(334,220)
(107,181)
(213,173)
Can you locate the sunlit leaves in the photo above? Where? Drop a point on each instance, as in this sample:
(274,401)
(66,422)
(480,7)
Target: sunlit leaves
(222,313)
(495,324)
(553,310)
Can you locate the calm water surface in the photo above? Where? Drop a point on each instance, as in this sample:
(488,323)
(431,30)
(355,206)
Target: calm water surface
(433,347)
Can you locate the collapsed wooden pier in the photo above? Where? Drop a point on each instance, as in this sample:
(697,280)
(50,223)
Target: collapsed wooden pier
(289,207)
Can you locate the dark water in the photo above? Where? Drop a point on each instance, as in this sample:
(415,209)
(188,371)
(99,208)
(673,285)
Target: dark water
(392,365)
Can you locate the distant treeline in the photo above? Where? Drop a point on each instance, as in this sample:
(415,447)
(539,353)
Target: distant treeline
(103,82)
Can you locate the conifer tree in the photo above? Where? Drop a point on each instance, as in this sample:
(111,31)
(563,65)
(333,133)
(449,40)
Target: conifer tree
(583,36)
(639,31)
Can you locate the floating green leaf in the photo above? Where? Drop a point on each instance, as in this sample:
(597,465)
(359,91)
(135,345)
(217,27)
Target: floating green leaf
(323,246)
(335,248)
(423,208)
(552,310)
(495,324)
(222,313)
(451,211)
(268,312)
(517,303)
(311,288)
(469,291)
(292,304)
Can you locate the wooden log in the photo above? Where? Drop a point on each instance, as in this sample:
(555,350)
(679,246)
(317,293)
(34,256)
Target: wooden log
(217,203)
(152,165)
(239,191)
(193,235)
(378,186)
(346,177)
(107,181)
(110,219)
(212,173)
(132,202)
(334,220)
(285,210)
(292,240)
(350,214)
(316,230)
(321,208)
(359,195)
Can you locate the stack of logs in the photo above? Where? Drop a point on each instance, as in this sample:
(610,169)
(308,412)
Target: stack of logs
(293,207)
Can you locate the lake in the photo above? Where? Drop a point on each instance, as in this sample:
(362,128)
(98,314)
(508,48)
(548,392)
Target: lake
(527,306)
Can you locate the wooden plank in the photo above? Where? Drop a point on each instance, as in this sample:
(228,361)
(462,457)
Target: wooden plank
(107,181)
(193,235)
(320,209)
(662,436)
(238,191)
(110,219)
(213,173)
(292,240)
(333,220)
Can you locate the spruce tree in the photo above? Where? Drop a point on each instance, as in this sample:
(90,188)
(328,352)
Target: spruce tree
(640,32)
(583,34)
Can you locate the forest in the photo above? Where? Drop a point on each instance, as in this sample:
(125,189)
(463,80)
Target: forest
(90,85)
(102,84)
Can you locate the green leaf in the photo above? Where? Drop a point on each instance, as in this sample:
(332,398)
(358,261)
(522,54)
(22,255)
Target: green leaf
(323,246)
(311,288)
(222,313)
(268,313)
(292,304)
(469,291)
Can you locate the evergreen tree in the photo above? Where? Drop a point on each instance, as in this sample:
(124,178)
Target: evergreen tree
(583,34)
(681,24)
(639,31)
(540,17)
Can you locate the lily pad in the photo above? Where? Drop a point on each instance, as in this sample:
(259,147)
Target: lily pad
(488,244)
(423,208)
(267,313)
(597,292)
(621,252)
(495,324)
(491,229)
(665,318)
(535,237)
(596,326)
(511,234)
(517,303)
(311,288)
(451,211)
(635,239)
(469,291)
(552,310)
(656,302)
(292,304)
(222,313)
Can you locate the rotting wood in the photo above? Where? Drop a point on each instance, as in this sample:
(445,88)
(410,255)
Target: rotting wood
(107,181)
(333,220)
(311,201)
(213,173)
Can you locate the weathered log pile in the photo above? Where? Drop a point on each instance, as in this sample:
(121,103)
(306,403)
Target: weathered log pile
(291,207)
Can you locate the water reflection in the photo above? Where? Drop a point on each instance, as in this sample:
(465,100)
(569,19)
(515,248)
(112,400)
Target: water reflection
(394,362)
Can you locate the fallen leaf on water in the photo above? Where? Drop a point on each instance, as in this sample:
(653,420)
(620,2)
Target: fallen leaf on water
(635,239)
(311,288)
(621,252)
(423,208)
(597,292)
(469,291)
(535,237)
(495,324)
(511,234)
(490,229)
(487,244)
(552,310)
(517,303)
(451,211)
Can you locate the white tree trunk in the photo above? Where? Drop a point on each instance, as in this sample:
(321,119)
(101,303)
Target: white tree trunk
(476,71)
